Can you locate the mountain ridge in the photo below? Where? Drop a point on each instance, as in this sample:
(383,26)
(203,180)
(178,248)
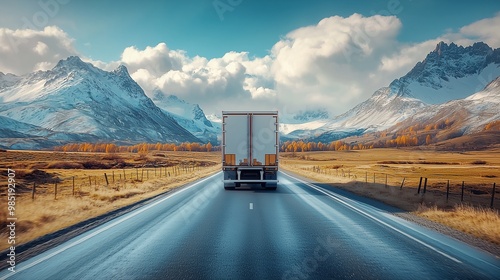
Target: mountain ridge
(190,116)
(77,97)
(76,100)
(444,65)
(436,78)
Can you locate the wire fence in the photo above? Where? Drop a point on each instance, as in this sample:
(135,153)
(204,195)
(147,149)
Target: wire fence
(96,180)
(444,190)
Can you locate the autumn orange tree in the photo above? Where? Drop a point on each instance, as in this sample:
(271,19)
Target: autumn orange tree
(301,146)
(142,148)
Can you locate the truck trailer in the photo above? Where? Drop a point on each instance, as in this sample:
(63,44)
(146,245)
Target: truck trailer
(250,146)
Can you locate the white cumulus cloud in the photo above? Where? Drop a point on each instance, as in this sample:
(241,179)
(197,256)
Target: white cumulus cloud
(486,30)
(232,81)
(334,64)
(328,65)
(24,50)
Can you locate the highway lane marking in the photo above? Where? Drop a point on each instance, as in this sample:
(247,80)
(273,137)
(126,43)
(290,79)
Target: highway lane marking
(251,206)
(375,219)
(130,215)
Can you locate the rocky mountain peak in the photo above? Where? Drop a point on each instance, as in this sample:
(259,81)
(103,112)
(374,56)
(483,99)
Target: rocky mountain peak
(448,66)
(451,61)
(122,71)
(480,48)
(200,115)
(77,98)
(73,63)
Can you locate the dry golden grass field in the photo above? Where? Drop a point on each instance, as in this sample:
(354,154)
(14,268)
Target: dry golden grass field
(82,191)
(379,174)
(134,177)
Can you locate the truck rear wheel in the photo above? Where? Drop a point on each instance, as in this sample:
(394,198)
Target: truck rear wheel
(272,187)
(226,187)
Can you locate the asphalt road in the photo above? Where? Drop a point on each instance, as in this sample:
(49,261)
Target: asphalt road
(299,231)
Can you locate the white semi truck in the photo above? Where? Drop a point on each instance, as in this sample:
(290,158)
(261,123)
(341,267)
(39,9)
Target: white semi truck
(250,146)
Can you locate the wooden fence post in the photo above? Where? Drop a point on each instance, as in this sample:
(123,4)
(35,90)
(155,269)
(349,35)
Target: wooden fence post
(33,191)
(425,185)
(142,174)
(137,174)
(447,191)
(419,185)
(113,176)
(366,177)
(90,182)
(463,186)
(73,185)
(402,183)
(106,177)
(124,177)
(386,180)
(55,191)
(374,177)
(493,196)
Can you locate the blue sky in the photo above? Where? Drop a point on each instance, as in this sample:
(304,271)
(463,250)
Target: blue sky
(241,54)
(102,29)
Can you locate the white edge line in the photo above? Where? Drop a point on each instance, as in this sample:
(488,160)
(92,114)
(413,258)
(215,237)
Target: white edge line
(81,240)
(375,219)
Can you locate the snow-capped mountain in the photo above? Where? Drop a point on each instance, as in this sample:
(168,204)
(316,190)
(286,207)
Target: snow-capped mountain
(450,72)
(298,125)
(379,112)
(77,98)
(214,119)
(304,116)
(18,135)
(189,116)
(7,80)
(466,116)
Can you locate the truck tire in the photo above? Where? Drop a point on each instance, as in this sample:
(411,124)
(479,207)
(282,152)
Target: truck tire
(227,187)
(237,185)
(272,187)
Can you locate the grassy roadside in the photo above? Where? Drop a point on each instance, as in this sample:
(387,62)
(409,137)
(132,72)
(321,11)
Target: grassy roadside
(45,214)
(479,221)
